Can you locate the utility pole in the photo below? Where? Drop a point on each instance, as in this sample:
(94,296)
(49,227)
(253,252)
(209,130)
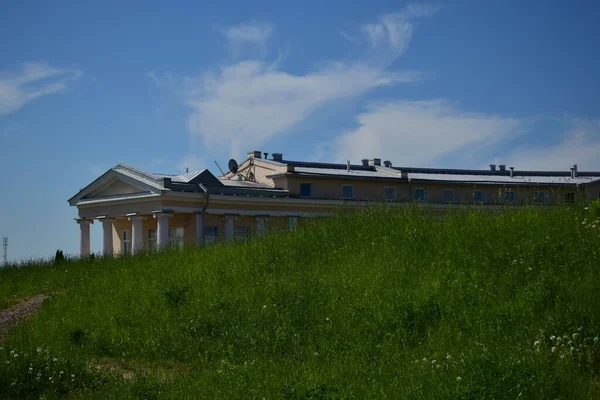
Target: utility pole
(5,248)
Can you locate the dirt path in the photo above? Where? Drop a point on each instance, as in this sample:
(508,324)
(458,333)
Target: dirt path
(19,312)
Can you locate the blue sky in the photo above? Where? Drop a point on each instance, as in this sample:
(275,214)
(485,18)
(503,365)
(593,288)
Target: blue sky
(168,85)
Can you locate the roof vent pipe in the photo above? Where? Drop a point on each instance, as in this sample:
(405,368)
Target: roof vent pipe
(512,171)
(348,166)
(574,170)
(365,162)
(266,154)
(492,167)
(502,167)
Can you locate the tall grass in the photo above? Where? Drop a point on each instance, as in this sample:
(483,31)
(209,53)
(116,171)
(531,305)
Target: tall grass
(379,303)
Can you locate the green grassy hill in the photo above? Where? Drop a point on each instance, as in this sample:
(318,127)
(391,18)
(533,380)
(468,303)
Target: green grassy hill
(384,303)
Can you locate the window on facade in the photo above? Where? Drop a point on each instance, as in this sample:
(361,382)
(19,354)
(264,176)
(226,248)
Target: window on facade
(347,191)
(211,234)
(176,236)
(420,194)
(448,196)
(305,190)
(540,198)
(241,233)
(570,197)
(390,193)
(151,239)
(478,196)
(126,242)
(510,196)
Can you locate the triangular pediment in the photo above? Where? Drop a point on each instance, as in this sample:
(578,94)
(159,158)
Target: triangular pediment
(114,184)
(115,188)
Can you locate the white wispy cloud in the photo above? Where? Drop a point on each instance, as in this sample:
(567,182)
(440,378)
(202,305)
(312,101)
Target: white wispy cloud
(255,33)
(32,81)
(578,144)
(420,132)
(247,103)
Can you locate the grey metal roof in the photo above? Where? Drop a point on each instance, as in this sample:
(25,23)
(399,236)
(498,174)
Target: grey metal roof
(246,184)
(503,179)
(362,173)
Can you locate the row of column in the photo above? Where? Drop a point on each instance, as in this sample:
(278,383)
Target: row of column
(162,231)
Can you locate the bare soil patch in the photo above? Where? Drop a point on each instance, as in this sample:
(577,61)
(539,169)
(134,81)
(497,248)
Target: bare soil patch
(19,312)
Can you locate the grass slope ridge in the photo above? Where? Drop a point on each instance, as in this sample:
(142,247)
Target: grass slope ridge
(381,303)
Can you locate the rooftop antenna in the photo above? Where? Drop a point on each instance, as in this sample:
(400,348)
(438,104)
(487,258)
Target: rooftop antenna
(222,173)
(5,248)
(187,170)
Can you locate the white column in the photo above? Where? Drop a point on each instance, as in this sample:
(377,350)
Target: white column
(229,227)
(292,223)
(84,239)
(260,225)
(162,231)
(199,229)
(107,237)
(137,233)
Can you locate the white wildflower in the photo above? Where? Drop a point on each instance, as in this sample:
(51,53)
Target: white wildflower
(552,337)
(438,366)
(264,306)
(424,359)
(55,359)
(458,379)
(39,349)
(596,339)
(575,336)
(562,356)
(448,357)
(536,343)
(553,349)
(316,354)
(16,355)
(433,361)
(572,348)
(73,376)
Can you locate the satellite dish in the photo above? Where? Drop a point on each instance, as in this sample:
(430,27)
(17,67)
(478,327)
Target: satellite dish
(233,166)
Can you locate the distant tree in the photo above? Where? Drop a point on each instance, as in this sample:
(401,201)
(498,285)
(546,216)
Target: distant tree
(59,257)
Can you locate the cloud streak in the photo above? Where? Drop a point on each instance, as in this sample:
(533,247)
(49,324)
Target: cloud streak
(32,81)
(255,33)
(417,133)
(247,103)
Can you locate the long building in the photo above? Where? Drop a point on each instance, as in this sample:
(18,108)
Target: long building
(140,210)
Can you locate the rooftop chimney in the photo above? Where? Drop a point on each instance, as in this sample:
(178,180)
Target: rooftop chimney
(502,167)
(277,156)
(348,166)
(512,171)
(365,162)
(376,162)
(387,163)
(187,170)
(574,171)
(492,167)
(254,154)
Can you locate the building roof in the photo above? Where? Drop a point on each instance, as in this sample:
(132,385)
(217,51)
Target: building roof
(502,179)
(445,175)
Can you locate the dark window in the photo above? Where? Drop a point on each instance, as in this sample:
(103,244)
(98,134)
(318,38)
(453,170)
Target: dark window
(478,196)
(448,196)
(420,194)
(347,191)
(211,234)
(570,197)
(510,197)
(540,198)
(305,190)
(390,193)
